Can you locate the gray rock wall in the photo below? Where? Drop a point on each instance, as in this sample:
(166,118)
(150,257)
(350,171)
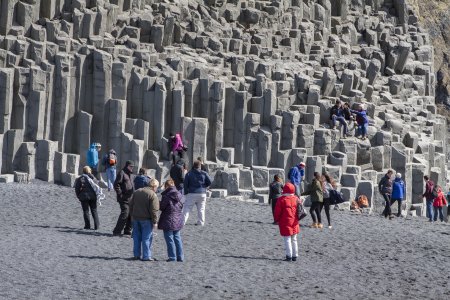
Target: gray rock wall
(249,84)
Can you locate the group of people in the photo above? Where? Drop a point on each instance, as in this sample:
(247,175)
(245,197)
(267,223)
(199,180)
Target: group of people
(285,200)
(139,203)
(342,114)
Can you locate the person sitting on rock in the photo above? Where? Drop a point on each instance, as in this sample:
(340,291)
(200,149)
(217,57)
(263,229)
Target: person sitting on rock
(275,191)
(285,215)
(362,121)
(337,115)
(348,117)
(398,192)
(176,146)
(438,203)
(142,179)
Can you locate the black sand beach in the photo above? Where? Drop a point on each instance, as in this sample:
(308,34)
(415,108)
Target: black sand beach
(238,255)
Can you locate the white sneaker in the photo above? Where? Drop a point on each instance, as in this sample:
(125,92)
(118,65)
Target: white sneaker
(329,226)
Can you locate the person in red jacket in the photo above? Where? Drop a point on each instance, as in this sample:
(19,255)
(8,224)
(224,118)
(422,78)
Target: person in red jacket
(286,216)
(438,203)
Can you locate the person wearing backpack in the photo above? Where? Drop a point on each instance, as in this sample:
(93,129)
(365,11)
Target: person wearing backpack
(438,203)
(92,158)
(296,175)
(87,197)
(285,215)
(398,192)
(110,163)
(328,185)
(315,191)
(385,189)
(429,195)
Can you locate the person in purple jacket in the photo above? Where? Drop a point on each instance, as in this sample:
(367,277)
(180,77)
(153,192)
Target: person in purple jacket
(362,121)
(171,220)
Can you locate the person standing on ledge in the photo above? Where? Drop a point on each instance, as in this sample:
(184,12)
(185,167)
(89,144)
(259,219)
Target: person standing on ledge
(275,191)
(385,189)
(285,215)
(429,187)
(144,207)
(195,184)
(92,159)
(124,190)
(296,175)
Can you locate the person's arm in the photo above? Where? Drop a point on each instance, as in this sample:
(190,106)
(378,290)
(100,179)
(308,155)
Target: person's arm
(163,204)
(207,180)
(155,208)
(277,212)
(308,191)
(404,190)
(117,183)
(186,184)
(78,187)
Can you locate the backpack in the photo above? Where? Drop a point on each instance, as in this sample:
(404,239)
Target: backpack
(111,159)
(336,197)
(362,201)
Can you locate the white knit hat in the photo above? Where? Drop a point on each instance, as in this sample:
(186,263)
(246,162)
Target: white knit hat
(398,175)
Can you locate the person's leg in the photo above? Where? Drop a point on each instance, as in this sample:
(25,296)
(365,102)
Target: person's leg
(274,203)
(147,228)
(333,121)
(327,211)
(110,172)
(187,207)
(441,214)
(85,207)
(127,229)
(137,239)
(387,202)
(297,189)
(430,209)
(365,128)
(343,123)
(294,246)
(312,212)
(288,247)
(178,245)
(399,208)
(435,215)
(123,218)
(201,207)
(392,203)
(319,217)
(93,206)
(168,236)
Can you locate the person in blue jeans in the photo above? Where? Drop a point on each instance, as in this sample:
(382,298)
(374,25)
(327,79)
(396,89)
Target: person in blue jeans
(296,175)
(429,186)
(171,220)
(362,121)
(144,207)
(337,115)
(110,163)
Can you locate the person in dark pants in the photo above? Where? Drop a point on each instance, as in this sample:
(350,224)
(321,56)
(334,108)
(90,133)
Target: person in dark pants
(385,189)
(124,190)
(316,192)
(88,198)
(275,191)
(429,186)
(328,185)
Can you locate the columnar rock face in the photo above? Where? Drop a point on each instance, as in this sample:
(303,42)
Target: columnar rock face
(248,84)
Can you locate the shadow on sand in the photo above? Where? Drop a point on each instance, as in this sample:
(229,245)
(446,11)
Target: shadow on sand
(48,226)
(248,257)
(100,257)
(86,232)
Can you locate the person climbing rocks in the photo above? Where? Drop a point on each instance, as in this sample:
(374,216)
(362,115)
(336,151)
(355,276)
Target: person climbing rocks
(92,159)
(296,175)
(142,179)
(85,191)
(110,163)
(398,192)
(124,189)
(285,215)
(362,121)
(385,189)
(337,115)
(275,191)
(315,191)
(438,203)
(176,146)
(429,197)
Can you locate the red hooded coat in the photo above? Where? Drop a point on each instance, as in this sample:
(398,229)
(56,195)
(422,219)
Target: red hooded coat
(286,211)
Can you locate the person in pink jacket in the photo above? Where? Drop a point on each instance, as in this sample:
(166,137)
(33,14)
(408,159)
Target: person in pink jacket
(286,216)
(438,203)
(176,146)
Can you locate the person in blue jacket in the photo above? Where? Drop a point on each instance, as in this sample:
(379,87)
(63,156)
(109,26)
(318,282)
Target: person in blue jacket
(296,175)
(398,192)
(362,120)
(92,158)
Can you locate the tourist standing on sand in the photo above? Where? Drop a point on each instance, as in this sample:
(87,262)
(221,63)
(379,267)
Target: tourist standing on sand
(275,191)
(177,174)
(85,192)
(195,184)
(124,190)
(286,216)
(92,159)
(316,194)
(328,185)
(142,179)
(110,163)
(144,206)
(429,186)
(385,189)
(296,175)
(438,203)
(398,193)
(171,220)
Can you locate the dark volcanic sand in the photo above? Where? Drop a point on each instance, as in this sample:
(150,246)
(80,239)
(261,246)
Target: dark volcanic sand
(44,254)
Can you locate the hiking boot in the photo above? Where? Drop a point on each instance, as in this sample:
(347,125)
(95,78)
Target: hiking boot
(319,225)
(288,258)
(294,258)
(391,217)
(314,225)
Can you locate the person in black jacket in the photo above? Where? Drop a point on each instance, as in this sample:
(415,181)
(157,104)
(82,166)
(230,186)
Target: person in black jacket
(276,189)
(177,174)
(88,198)
(123,185)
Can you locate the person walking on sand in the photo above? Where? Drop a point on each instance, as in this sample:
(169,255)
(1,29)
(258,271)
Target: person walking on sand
(316,193)
(110,163)
(275,191)
(124,190)
(85,192)
(144,207)
(285,215)
(195,184)
(429,186)
(385,189)
(438,203)
(296,175)
(171,220)
(328,185)
(142,179)
(398,193)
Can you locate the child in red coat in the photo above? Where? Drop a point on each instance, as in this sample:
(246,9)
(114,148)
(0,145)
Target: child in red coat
(286,216)
(438,203)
